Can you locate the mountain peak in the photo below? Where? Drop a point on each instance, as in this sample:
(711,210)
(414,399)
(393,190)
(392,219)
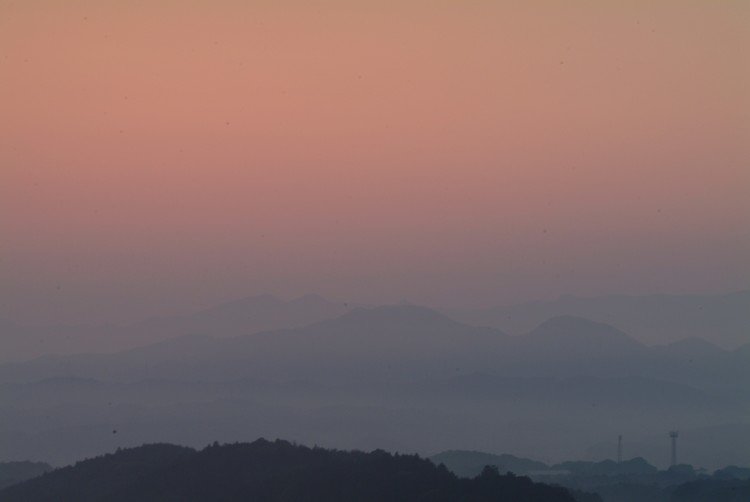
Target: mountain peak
(566,325)
(574,322)
(401,314)
(255,301)
(310,299)
(568,331)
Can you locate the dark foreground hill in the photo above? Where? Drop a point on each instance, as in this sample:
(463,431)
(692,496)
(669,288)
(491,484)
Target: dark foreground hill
(271,471)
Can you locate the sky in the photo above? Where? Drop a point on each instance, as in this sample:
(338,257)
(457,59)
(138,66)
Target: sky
(160,156)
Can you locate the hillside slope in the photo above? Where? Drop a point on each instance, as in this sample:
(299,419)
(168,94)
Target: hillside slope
(270,471)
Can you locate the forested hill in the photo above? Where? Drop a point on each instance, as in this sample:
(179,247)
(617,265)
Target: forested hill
(271,471)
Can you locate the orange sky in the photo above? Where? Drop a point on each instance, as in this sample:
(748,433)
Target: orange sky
(157,156)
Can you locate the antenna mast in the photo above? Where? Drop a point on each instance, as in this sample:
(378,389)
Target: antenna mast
(674,435)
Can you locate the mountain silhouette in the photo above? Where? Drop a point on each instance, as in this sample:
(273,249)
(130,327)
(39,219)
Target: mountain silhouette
(398,316)
(248,315)
(401,341)
(581,337)
(722,319)
(244,316)
(271,471)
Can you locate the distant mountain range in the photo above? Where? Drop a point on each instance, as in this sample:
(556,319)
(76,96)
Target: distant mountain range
(240,317)
(404,342)
(722,319)
(402,377)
